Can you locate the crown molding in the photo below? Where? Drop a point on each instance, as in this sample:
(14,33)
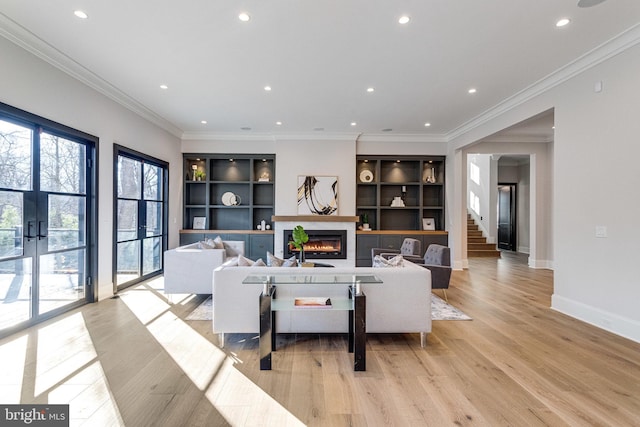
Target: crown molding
(28,41)
(537,139)
(317,136)
(227,136)
(401,137)
(599,54)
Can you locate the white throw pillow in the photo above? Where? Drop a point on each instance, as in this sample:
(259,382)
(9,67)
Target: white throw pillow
(380,262)
(291,262)
(205,245)
(243,261)
(274,261)
(216,243)
(259,263)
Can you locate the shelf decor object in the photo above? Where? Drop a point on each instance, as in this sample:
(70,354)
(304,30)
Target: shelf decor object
(428,224)
(199,223)
(366,176)
(317,195)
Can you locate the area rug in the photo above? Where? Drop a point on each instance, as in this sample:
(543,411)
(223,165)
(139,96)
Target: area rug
(440,310)
(202,312)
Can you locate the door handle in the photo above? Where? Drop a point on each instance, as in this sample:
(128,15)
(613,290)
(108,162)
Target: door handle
(40,226)
(29,236)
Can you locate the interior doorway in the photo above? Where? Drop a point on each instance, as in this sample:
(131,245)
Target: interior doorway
(507,217)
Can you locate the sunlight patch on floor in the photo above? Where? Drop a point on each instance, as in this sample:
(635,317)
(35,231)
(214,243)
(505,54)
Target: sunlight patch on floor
(236,397)
(197,357)
(13,356)
(239,400)
(144,305)
(89,397)
(62,348)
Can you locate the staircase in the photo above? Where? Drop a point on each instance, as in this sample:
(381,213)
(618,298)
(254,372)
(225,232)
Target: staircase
(477,245)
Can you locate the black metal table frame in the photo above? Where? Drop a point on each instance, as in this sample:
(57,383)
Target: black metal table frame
(357,328)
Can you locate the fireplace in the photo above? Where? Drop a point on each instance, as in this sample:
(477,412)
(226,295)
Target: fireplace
(322,244)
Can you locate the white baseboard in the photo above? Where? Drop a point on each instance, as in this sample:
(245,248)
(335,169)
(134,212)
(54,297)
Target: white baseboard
(619,325)
(460,265)
(540,263)
(523,249)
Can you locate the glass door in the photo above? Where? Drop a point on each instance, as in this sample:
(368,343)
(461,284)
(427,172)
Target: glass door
(140,216)
(45,260)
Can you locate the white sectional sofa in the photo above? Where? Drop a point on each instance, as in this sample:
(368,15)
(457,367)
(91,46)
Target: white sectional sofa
(189,269)
(402,303)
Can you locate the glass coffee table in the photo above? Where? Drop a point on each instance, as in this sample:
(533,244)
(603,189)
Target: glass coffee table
(354,303)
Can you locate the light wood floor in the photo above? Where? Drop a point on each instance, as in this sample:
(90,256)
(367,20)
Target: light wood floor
(135,361)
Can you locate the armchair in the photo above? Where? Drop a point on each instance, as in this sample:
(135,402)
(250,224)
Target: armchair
(437,259)
(409,247)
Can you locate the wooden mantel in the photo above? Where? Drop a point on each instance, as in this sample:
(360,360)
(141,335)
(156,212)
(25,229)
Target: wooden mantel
(315,218)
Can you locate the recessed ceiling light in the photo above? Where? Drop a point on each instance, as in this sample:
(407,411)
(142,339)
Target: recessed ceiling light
(387,130)
(589,3)
(404,19)
(353,123)
(370,89)
(427,124)
(80,14)
(267,88)
(204,122)
(279,123)
(562,22)
(244,17)
(164,87)
(472,90)
(245,128)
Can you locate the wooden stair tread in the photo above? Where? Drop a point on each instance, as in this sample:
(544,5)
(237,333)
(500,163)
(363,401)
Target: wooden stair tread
(477,245)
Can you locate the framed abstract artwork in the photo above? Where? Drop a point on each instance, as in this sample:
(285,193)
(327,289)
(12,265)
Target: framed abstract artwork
(317,195)
(199,222)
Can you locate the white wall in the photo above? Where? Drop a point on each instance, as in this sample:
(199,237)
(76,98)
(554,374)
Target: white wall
(596,154)
(30,84)
(315,157)
(522,207)
(590,172)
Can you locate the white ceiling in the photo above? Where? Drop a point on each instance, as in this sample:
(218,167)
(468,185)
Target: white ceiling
(319,57)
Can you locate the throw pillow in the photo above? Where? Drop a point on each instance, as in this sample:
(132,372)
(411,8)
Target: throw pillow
(380,262)
(205,245)
(259,263)
(218,242)
(244,261)
(291,262)
(274,261)
(231,262)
